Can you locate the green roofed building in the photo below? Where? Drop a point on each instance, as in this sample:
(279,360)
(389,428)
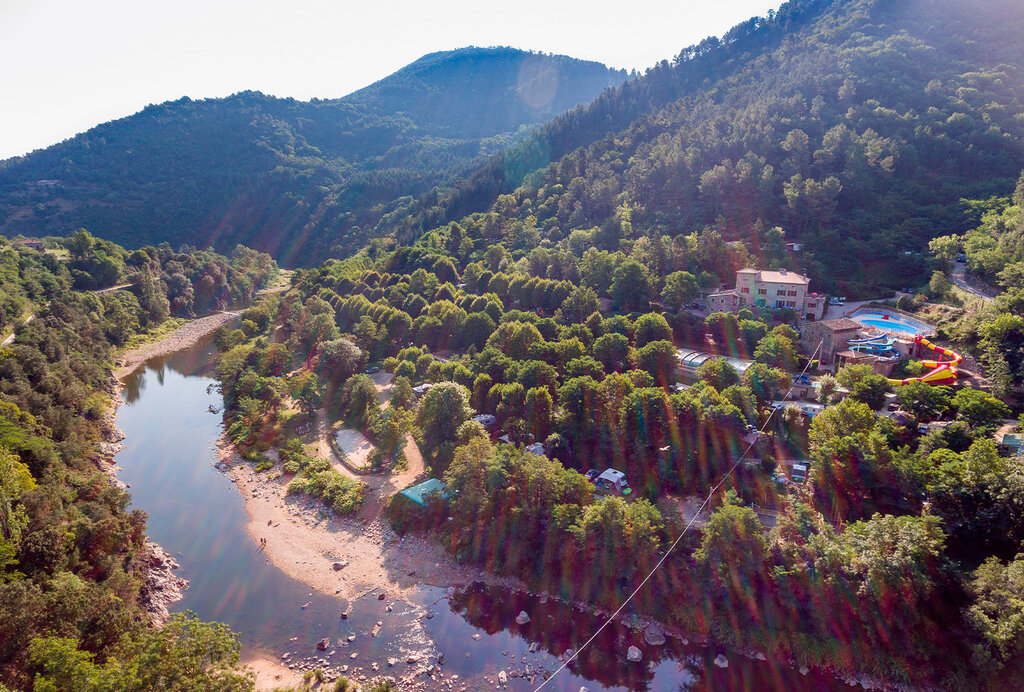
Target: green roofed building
(418,493)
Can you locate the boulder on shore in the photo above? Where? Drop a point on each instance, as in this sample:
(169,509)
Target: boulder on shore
(323,644)
(634,654)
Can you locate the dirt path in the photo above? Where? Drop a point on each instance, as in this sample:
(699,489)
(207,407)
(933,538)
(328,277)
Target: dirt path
(111,289)
(379,486)
(10,337)
(382,382)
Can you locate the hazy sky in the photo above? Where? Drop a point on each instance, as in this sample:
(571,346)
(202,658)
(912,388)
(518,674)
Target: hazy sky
(67,65)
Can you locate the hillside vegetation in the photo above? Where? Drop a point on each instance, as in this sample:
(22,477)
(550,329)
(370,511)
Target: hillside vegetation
(73,569)
(550,288)
(293,178)
(855,126)
(898,558)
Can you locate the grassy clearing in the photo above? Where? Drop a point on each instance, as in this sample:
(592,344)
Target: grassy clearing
(155,334)
(314,476)
(282,281)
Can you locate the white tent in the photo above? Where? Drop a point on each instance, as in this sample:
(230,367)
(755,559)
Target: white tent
(616,479)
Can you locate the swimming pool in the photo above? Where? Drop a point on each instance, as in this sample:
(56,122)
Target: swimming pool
(891,323)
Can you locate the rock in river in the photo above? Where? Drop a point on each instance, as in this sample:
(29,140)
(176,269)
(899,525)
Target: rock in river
(634,654)
(522,618)
(323,644)
(721,661)
(653,635)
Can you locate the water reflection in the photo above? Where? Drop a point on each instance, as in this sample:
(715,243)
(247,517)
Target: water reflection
(555,628)
(197,514)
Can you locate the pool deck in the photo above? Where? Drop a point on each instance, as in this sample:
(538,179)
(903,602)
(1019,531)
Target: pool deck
(899,316)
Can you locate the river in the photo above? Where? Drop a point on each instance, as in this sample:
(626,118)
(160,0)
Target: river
(198,516)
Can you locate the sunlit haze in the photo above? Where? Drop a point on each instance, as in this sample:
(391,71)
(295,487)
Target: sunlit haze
(70,65)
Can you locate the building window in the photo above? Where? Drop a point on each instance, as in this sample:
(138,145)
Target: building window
(812,305)
(790,303)
(744,290)
(792,293)
(781,292)
(762,291)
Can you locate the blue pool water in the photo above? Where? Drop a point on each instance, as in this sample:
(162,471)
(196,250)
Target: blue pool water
(892,324)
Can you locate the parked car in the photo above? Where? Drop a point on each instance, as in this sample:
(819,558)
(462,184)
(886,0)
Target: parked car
(591,475)
(373,369)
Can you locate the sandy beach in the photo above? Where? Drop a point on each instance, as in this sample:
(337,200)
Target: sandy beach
(271,674)
(342,557)
(347,556)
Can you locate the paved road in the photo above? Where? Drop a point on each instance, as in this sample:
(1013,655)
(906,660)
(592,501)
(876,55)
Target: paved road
(959,269)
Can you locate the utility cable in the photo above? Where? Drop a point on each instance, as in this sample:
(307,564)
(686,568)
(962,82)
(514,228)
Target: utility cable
(672,547)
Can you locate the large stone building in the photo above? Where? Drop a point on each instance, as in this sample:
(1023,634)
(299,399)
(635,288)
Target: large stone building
(834,336)
(772,289)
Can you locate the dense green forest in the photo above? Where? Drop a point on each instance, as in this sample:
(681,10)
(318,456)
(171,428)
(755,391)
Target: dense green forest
(550,287)
(898,558)
(856,126)
(72,570)
(296,179)
(992,252)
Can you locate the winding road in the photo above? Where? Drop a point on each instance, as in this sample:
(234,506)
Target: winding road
(958,277)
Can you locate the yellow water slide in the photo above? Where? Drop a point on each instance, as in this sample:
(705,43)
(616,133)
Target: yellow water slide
(943,371)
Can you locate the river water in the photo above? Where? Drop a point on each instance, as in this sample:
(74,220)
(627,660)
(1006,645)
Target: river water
(198,516)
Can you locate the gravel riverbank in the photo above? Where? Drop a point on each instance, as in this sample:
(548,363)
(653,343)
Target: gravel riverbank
(185,336)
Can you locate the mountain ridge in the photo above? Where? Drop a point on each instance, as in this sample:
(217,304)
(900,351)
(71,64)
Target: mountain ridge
(257,170)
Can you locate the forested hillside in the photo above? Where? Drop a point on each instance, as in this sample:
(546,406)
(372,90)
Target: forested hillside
(293,178)
(855,126)
(897,557)
(73,569)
